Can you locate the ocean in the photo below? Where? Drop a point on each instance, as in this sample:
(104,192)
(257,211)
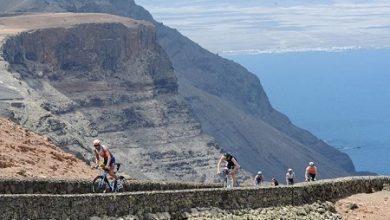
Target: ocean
(341,97)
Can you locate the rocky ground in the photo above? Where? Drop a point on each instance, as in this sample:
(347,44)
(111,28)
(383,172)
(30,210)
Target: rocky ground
(314,211)
(375,206)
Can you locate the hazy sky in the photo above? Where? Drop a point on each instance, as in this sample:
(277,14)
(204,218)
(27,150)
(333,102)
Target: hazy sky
(252,26)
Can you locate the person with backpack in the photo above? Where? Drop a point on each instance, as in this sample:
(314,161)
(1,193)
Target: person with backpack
(231,164)
(258,179)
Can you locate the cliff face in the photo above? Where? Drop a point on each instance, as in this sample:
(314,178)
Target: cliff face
(229,101)
(233,107)
(109,80)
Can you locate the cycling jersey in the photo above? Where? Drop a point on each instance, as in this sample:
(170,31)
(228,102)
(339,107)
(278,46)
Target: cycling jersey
(104,153)
(290,175)
(311,169)
(290,178)
(259,179)
(230,163)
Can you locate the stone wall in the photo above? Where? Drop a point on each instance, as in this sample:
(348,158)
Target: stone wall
(9,186)
(47,206)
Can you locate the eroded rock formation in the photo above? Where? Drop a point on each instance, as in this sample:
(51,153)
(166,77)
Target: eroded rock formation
(107,79)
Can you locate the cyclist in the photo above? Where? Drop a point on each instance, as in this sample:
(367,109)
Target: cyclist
(103,152)
(290,177)
(274,182)
(311,172)
(259,179)
(231,164)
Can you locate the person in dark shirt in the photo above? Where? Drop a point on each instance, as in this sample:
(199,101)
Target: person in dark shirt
(231,164)
(258,179)
(274,182)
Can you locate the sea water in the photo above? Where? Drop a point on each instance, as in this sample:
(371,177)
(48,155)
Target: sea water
(341,97)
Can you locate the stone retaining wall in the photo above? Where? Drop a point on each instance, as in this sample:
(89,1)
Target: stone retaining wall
(45,206)
(9,186)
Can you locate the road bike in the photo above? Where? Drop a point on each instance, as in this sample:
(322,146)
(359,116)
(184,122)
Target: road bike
(101,184)
(226,178)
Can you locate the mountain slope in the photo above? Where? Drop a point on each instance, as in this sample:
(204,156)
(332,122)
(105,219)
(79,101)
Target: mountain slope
(268,142)
(86,76)
(25,154)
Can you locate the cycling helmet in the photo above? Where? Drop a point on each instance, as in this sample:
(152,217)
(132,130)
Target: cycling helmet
(311,164)
(227,155)
(289,170)
(259,173)
(96,142)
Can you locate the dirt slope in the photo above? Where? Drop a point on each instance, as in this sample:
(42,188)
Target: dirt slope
(24,154)
(374,206)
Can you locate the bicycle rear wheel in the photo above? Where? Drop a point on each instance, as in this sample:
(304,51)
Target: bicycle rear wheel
(121,185)
(100,184)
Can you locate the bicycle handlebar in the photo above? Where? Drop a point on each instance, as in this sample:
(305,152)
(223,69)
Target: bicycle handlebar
(103,167)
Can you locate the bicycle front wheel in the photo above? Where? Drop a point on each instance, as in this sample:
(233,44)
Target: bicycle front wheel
(99,185)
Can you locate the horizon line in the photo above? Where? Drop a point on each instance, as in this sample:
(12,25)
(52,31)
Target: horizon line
(297,50)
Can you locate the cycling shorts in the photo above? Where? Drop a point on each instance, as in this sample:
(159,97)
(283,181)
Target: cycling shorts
(111,165)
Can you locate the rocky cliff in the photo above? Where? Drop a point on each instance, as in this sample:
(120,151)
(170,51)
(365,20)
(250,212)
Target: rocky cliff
(229,101)
(93,75)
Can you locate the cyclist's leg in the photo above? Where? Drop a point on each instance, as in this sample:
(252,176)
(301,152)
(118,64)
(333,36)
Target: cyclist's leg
(237,184)
(112,173)
(112,167)
(311,177)
(233,177)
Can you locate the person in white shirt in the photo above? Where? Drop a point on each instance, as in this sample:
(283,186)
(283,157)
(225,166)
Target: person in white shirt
(290,175)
